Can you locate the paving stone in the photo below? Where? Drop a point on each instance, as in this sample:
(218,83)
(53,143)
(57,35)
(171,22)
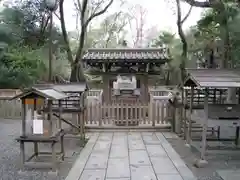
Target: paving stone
(105,137)
(93,138)
(93,174)
(170,151)
(150,139)
(102,146)
(107,158)
(118,168)
(97,161)
(142,173)
(148,133)
(170,135)
(169,177)
(139,157)
(81,161)
(186,173)
(156,151)
(161,138)
(119,140)
(136,145)
(134,136)
(120,133)
(118,151)
(229,174)
(120,136)
(178,162)
(118,179)
(163,165)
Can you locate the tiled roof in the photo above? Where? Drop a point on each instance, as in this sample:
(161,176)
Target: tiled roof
(130,54)
(68,87)
(215,78)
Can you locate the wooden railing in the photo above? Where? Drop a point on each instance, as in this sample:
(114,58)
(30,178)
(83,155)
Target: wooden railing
(214,95)
(155,113)
(160,90)
(9,109)
(95,92)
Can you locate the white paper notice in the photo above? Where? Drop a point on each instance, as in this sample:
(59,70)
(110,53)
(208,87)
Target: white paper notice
(37,126)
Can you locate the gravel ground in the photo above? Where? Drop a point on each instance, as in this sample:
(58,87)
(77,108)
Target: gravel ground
(217,159)
(9,156)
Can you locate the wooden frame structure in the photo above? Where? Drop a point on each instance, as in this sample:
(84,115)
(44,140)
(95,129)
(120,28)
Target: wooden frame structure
(138,62)
(36,99)
(74,104)
(51,100)
(217,79)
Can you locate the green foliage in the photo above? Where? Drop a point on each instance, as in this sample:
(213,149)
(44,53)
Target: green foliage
(212,26)
(19,69)
(24,29)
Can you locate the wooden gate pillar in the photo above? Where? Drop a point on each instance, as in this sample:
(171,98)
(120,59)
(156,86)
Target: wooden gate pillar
(106,89)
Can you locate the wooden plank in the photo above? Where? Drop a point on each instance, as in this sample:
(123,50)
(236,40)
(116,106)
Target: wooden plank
(163,110)
(144,115)
(153,113)
(99,116)
(127,115)
(90,113)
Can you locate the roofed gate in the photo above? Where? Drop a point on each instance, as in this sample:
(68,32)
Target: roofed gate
(125,73)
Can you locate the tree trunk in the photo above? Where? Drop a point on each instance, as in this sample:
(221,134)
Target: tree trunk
(167,82)
(226,60)
(77,74)
(180,22)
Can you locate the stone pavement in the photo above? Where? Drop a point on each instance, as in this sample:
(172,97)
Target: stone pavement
(129,156)
(229,174)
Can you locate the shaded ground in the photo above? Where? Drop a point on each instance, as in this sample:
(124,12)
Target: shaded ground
(217,159)
(9,155)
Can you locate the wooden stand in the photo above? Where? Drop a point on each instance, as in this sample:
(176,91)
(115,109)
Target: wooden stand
(36,98)
(36,140)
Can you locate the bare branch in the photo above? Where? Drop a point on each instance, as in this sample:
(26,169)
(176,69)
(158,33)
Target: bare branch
(187,15)
(110,30)
(56,15)
(78,5)
(137,16)
(97,6)
(98,13)
(204,4)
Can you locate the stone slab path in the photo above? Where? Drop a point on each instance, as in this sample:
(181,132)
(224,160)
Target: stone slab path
(229,174)
(129,156)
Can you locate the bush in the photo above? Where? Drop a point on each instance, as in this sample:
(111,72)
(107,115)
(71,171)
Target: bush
(19,70)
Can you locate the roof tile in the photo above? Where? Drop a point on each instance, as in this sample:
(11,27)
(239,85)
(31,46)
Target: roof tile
(127,54)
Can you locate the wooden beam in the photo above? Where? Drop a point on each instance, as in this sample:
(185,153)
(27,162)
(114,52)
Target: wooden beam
(23,118)
(66,121)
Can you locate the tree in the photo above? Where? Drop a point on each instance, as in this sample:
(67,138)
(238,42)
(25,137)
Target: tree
(24,37)
(99,7)
(165,38)
(137,20)
(110,32)
(222,12)
(180,22)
